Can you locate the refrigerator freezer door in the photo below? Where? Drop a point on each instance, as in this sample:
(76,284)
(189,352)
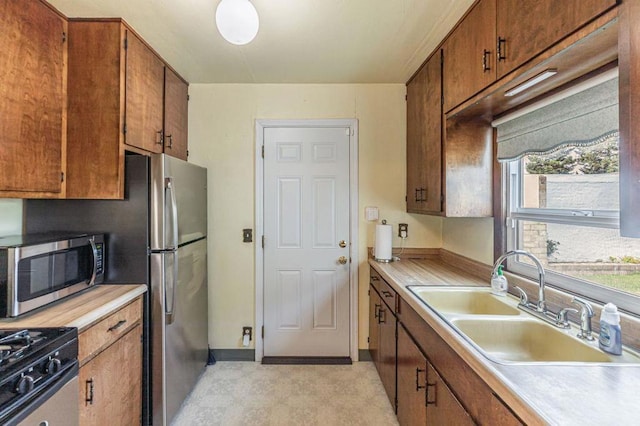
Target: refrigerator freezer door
(178,197)
(180,355)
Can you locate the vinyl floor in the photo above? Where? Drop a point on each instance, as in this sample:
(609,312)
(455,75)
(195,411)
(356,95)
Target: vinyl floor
(249,393)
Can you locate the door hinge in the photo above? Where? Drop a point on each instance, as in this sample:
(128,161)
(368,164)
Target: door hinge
(349,259)
(368,292)
(263,241)
(368,341)
(188,98)
(126,42)
(262,331)
(64,37)
(262,151)
(187,153)
(61,176)
(124,128)
(406,97)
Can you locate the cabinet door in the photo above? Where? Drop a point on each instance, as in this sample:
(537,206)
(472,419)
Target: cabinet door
(32,76)
(176,110)
(374,306)
(424,138)
(443,408)
(469,55)
(387,352)
(528,27)
(111,384)
(412,381)
(144,96)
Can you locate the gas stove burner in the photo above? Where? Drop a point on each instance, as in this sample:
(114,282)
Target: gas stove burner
(32,361)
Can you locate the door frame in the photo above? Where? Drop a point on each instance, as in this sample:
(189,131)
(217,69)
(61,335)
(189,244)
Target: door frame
(352,125)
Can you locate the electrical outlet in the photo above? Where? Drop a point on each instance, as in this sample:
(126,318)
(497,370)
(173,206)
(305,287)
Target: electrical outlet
(403,230)
(245,331)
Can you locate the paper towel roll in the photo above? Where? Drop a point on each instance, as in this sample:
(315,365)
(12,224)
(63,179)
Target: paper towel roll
(382,250)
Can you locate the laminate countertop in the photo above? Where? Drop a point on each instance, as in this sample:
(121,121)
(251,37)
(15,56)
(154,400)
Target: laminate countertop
(80,310)
(539,393)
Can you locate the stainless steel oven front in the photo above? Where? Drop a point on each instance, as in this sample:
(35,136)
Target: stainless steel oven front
(39,269)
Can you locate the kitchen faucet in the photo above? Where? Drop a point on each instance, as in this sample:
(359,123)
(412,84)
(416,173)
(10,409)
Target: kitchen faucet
(541,305)
(586,313)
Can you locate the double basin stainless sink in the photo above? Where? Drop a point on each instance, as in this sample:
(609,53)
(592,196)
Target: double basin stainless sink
(505,334)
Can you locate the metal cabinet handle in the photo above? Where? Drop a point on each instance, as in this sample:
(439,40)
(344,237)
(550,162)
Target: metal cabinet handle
(418,371)
(382,320)
(170,144)
(502,49)
(485,63)
(117,326)
(422,196)
(435,396)
(387,293)
(89,389)
(160,139)
(375,278)
(376,310)
(417,198)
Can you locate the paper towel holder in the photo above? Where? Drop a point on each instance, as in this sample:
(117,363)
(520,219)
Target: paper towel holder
(375,253)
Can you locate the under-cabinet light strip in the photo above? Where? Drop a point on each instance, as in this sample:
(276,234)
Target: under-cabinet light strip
(576,88)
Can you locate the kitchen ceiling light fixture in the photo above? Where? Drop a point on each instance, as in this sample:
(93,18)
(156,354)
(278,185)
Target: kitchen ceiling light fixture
(532,82)
(237,21)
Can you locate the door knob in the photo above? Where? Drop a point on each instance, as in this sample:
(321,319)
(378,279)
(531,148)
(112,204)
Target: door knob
(342,260)
(342,244)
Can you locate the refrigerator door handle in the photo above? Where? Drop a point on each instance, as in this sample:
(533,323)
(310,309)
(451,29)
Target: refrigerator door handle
(169,303)
(174,210)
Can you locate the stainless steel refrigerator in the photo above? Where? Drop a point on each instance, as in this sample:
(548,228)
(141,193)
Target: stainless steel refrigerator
(157,236)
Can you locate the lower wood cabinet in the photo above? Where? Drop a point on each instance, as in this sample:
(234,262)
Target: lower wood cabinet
(425,379)
(412,381)
(382,342)
(423,397)
(111,372)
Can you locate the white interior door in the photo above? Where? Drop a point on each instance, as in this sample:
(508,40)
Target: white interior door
(306,225)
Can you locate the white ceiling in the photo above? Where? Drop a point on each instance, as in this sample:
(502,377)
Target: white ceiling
(300,41)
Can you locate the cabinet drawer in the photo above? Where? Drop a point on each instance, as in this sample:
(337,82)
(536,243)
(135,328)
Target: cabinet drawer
(386,292)
(101,335)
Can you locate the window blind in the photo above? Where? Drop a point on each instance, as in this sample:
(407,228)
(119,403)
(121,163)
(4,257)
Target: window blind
(584,118)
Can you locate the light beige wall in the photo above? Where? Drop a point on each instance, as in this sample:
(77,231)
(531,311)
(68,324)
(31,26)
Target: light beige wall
(221,137)
(10,217)
(472,238)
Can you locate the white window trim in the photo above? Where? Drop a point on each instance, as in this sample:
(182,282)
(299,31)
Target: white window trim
(592,218)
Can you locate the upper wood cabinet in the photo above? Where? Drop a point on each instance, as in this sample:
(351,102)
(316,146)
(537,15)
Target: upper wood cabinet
(119,101)
(144,96)
(469,55)
(32,99)
(449,163)
(424,138)
(498,36)
(176,110)
(526,28)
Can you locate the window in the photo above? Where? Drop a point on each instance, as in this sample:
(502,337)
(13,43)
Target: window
(563,197)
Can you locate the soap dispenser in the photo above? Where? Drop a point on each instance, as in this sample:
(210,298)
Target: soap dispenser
(610,333)
(499,283)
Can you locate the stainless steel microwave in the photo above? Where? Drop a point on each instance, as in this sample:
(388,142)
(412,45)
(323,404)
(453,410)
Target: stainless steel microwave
(39,269)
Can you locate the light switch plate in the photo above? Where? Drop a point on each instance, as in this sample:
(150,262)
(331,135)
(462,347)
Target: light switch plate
(371,213)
